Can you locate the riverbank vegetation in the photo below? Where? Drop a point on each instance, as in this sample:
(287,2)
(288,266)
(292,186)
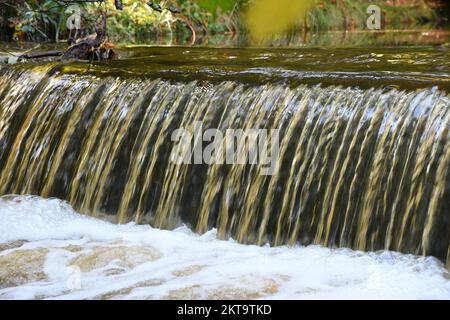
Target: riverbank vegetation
(142,21)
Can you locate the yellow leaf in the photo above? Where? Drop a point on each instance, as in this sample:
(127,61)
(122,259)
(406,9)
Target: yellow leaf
(266,18)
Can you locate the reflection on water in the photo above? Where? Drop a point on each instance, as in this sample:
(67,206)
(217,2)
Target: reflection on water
(327,39)
(366,39)
(382,38)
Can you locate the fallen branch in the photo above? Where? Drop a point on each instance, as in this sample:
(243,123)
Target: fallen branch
(42,55)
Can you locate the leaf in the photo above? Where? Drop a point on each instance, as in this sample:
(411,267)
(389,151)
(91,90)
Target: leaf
(282,14)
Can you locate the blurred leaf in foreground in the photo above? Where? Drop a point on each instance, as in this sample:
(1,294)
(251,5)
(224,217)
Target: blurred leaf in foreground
(265,18)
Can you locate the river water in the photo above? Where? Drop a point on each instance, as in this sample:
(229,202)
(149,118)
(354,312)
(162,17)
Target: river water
(51,252)
(363,163)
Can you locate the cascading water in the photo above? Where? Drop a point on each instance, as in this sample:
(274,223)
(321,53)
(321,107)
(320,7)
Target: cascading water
(364,168)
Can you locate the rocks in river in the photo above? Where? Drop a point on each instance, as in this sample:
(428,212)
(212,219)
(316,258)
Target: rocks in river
(242,288)
(22,266)
(124,257)
(12,245)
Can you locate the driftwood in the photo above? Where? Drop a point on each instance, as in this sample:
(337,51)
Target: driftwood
(42,55)
(94,47)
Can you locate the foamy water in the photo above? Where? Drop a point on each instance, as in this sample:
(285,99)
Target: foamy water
(47,250)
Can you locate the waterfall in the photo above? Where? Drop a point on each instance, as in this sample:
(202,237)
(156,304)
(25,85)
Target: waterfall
(364,168)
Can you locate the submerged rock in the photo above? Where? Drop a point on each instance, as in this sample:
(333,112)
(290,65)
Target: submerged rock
(122,256)
(12,245)
(22,266)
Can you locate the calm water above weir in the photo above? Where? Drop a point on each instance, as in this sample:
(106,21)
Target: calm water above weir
(408,67)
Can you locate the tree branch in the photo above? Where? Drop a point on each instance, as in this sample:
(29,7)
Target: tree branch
(42,55)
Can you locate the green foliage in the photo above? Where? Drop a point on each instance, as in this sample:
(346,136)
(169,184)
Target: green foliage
(212,5)
(38,20)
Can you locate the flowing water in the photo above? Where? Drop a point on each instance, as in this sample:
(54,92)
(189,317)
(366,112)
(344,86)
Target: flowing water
(63,255)
(364,153)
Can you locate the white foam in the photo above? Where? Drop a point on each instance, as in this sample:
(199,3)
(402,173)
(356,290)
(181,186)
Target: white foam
(193,266)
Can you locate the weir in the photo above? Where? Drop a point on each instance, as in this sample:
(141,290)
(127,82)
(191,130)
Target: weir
(364,167)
